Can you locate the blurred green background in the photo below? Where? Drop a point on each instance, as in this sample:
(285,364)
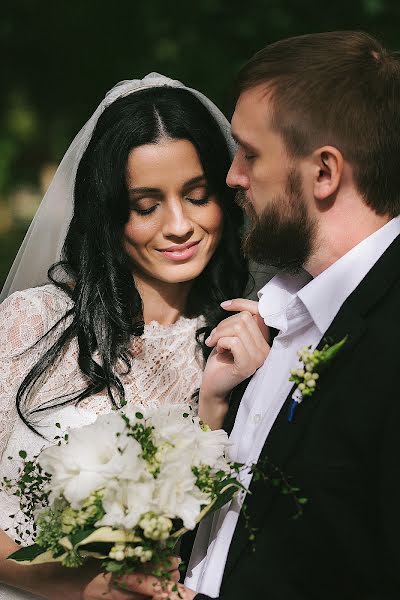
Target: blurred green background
(59,57)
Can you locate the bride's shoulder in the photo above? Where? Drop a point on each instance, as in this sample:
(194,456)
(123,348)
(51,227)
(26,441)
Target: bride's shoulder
(43,299)
(27,315)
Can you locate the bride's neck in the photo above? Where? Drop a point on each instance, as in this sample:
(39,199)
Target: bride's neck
(162,302)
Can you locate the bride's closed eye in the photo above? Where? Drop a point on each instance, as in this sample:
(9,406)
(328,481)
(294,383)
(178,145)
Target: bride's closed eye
(199,195)
(144,206)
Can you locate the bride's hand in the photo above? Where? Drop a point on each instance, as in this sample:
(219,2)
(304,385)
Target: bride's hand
(102,588)
(240,346)
(139,586)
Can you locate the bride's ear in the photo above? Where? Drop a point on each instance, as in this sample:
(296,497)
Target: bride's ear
(328,169)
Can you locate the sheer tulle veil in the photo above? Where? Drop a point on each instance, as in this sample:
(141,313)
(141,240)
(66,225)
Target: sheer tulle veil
(44,240)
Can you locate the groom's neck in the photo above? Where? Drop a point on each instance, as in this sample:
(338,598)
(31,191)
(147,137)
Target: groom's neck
(343,226)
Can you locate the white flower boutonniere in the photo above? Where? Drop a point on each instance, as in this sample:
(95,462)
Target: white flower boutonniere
(307,376)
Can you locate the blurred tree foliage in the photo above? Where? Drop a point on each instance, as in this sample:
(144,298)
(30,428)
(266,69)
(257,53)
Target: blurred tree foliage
(59,57)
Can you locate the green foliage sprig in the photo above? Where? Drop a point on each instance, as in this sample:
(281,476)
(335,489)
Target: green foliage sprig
(314,362)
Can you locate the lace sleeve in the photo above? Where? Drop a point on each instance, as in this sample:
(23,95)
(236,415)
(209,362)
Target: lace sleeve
(24,318)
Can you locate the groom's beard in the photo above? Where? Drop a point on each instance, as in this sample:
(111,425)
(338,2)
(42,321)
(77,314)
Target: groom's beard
(283,235)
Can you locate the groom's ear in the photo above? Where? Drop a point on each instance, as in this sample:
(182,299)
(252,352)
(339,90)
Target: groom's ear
(328,170)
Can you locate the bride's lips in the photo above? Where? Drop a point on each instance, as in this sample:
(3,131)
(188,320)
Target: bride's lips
(181,252)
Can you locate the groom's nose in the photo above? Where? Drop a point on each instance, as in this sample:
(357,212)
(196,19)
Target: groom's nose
(237,177)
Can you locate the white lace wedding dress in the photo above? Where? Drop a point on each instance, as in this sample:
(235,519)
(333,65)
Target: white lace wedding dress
(166,368)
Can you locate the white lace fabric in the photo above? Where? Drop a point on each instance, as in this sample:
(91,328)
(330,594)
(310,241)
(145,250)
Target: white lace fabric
(166,367)
(166,364)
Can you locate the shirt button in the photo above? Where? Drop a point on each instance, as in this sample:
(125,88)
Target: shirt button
(256,419)
(284,342)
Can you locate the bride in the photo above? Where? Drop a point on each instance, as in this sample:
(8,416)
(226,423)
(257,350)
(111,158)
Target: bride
(150,252)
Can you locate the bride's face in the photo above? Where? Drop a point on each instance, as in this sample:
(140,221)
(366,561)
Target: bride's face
(175,223)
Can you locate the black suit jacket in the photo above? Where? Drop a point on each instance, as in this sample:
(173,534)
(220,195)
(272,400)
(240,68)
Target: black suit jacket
(343,451)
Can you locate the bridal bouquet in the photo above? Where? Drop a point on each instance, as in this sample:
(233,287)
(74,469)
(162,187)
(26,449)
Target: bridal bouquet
(123,489)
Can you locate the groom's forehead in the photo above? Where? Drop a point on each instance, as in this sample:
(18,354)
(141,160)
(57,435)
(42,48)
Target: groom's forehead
(254,102)
(252,111)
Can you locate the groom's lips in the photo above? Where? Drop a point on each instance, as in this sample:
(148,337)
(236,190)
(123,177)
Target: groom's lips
(181,252)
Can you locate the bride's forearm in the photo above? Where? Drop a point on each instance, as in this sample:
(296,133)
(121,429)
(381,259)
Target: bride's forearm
(49,581)
(21,577)
(212,409)
(7,545)
(25,578)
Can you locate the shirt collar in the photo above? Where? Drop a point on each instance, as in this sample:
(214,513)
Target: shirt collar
(278,296)
(323,296)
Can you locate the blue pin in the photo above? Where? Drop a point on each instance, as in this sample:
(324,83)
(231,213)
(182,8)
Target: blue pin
(292,410)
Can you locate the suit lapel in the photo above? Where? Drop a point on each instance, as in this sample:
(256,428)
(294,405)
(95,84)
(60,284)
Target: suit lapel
(284,437)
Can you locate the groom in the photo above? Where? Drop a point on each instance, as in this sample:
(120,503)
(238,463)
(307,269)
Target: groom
(317,123)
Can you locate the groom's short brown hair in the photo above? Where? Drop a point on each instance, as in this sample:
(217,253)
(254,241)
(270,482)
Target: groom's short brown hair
(339,88)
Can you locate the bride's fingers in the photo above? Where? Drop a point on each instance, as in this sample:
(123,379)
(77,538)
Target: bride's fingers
(175,592)
(144,585)
(137,583)
(180,593)
(239,304)
(246,363)
(241,325)
(251,306)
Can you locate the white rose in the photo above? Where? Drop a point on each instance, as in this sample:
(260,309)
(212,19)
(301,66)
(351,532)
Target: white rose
(209,448)
(94,454)
(176,494)
(125,502)
(183,440)
(171,427)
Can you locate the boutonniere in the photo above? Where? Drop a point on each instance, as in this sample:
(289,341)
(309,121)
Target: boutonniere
(307,376)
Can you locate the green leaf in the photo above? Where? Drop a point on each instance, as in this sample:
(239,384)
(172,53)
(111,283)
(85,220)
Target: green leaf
(331,352)
(104,535)
(114,567)
(78,537)
(229,490)
(27,553)
(22,454)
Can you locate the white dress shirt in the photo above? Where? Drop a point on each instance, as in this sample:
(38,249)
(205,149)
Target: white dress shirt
(302,309)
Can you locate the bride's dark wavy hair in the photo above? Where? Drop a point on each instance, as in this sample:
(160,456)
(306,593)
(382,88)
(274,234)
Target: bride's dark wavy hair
(106,306)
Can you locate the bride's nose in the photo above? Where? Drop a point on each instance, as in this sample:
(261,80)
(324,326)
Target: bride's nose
(176,221)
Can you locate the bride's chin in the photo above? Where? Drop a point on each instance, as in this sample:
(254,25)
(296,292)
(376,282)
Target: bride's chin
(181,273)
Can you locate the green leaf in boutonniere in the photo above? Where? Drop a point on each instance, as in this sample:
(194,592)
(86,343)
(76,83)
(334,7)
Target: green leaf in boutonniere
(306,377)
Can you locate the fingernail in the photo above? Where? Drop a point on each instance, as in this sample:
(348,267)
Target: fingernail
(226,303)
(208,340)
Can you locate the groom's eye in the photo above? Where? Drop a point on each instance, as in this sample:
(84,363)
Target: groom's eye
(248,153)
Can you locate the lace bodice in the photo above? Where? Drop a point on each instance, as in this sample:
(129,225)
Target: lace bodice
(166,363)
(166,367)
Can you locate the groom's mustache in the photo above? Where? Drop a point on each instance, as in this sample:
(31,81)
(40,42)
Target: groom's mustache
(241,199)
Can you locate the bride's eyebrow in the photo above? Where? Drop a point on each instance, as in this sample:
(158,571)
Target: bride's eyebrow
(152,191)
(199,180)
(145,190)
